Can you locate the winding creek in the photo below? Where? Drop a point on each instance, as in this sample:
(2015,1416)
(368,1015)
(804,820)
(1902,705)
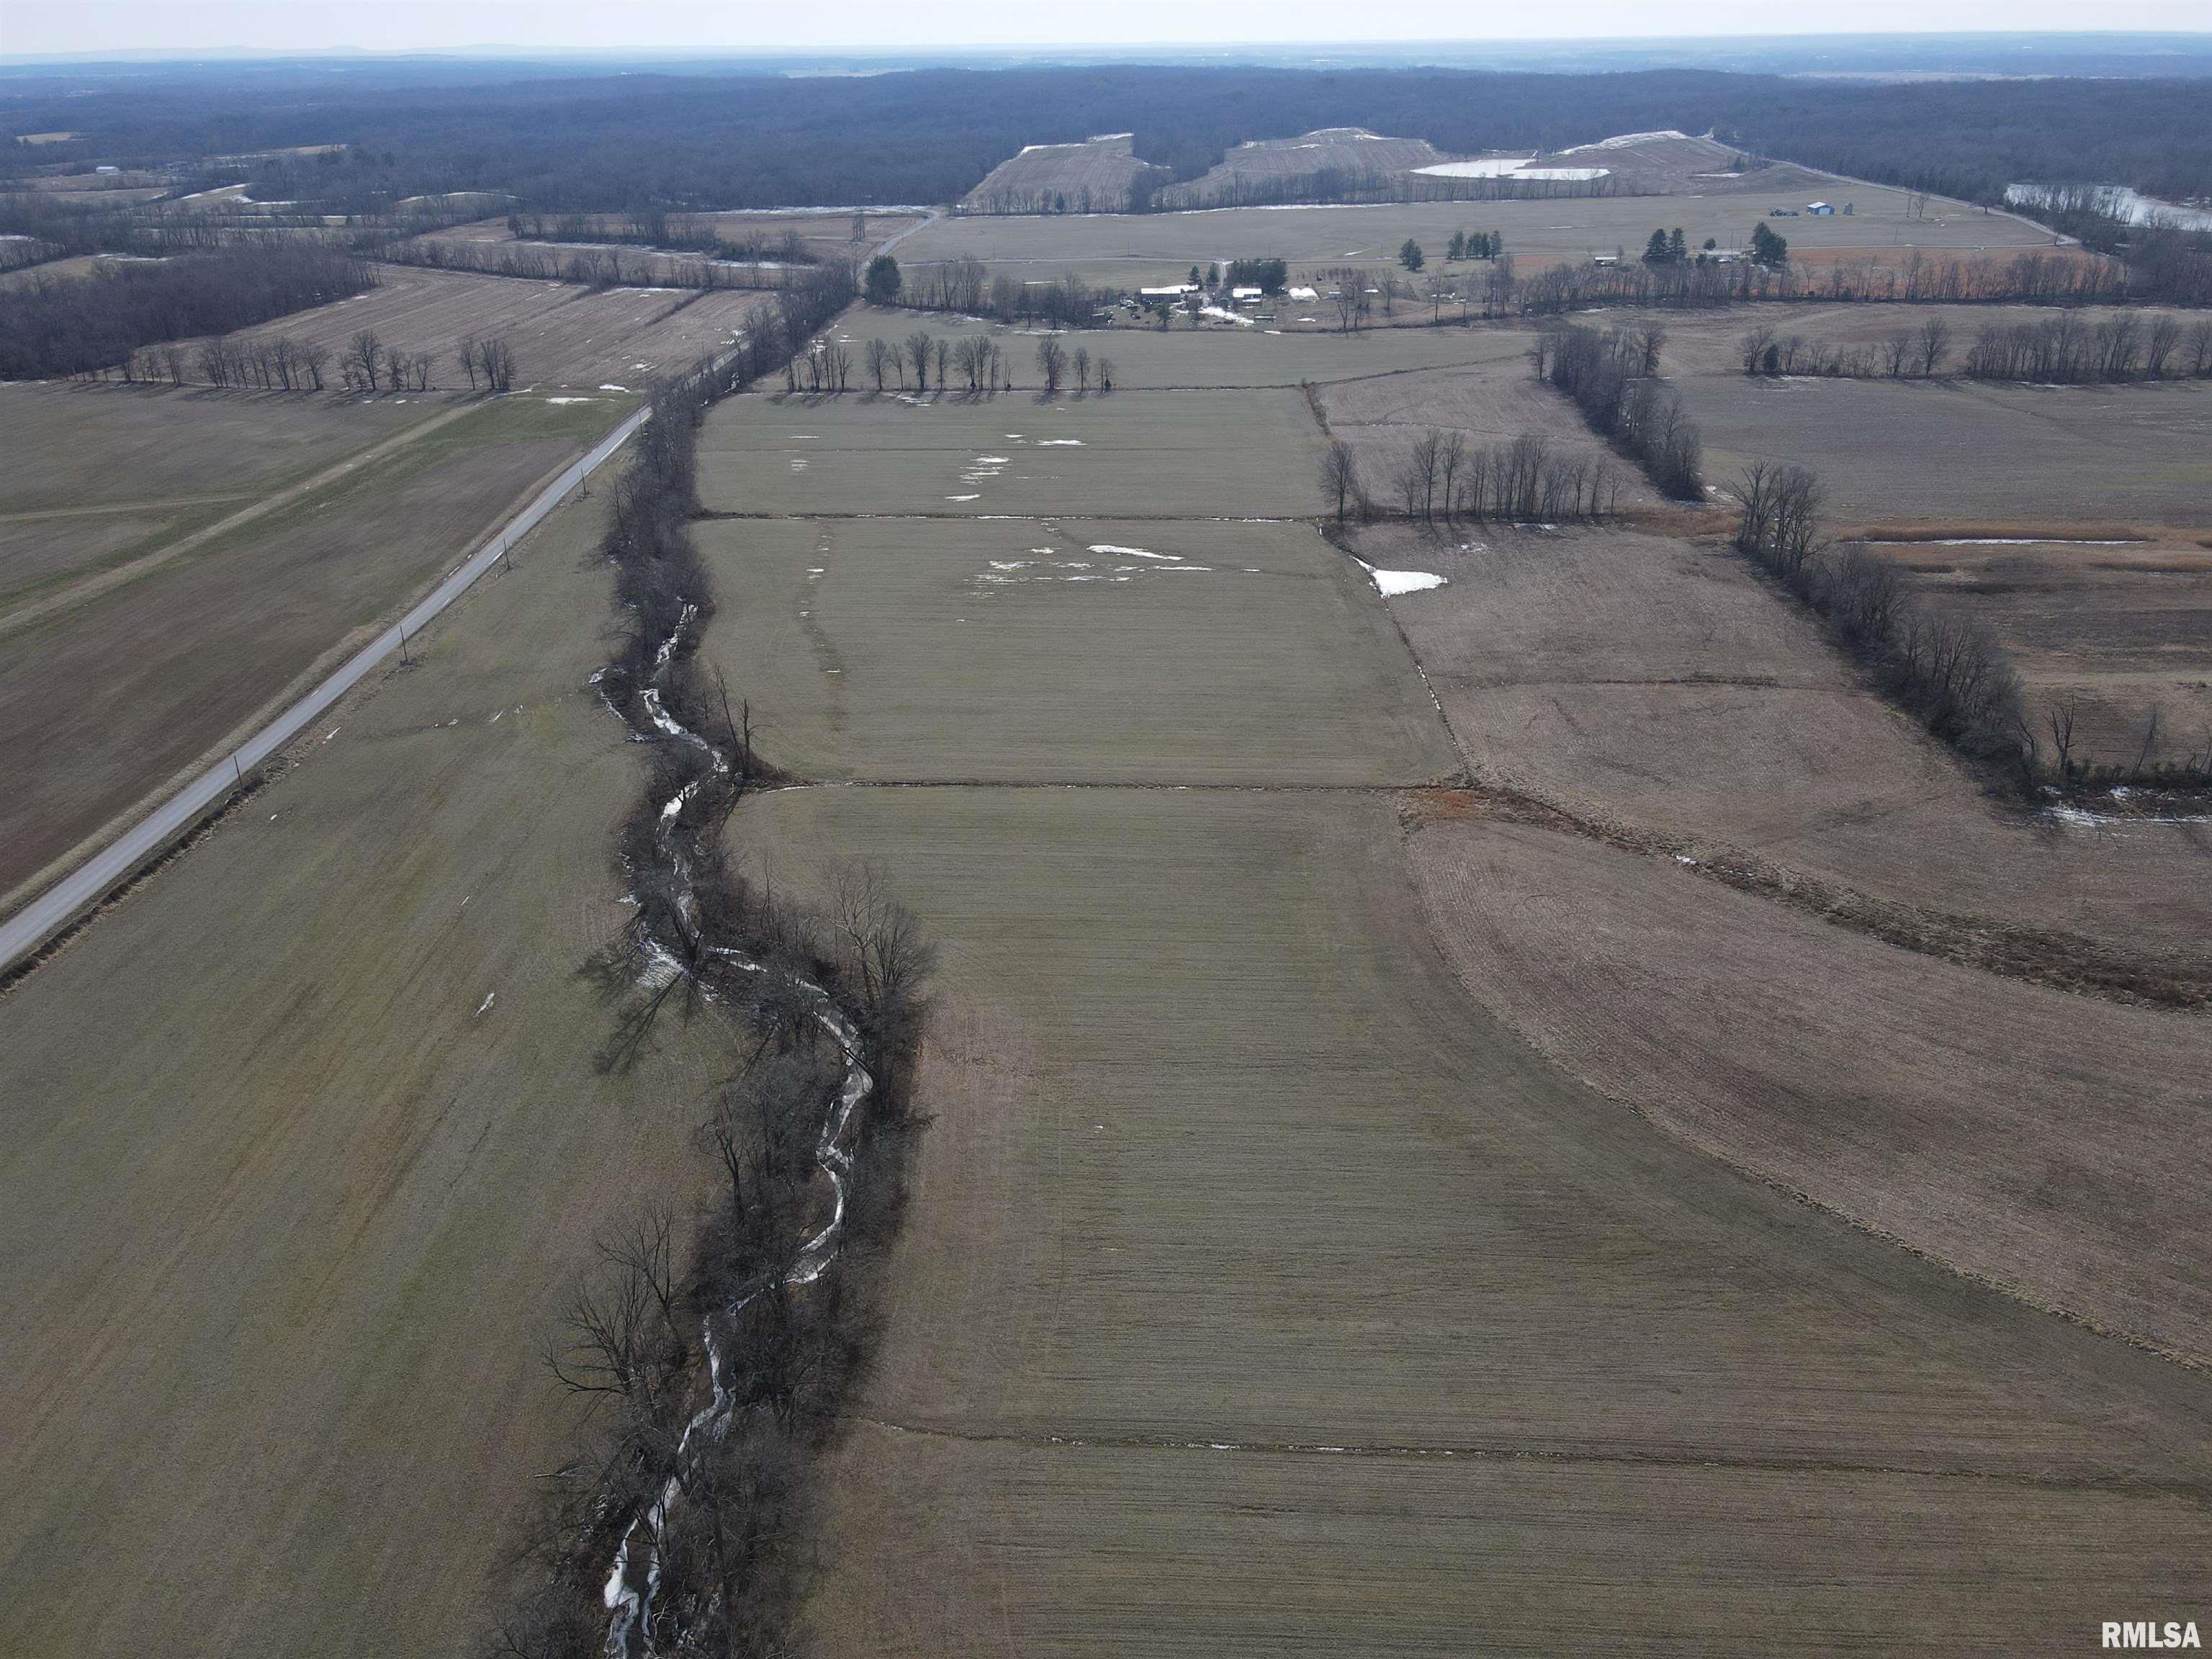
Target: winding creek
(634,1578)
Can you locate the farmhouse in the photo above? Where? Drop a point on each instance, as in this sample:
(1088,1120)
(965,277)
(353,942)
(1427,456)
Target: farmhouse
(1172,291)
(1820,209)
(1247,296)
(1605,258)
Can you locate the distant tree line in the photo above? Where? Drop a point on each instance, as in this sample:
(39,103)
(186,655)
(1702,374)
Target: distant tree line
(655,228)
(587,267)
(2062,349)
(1443,479)
(596,141)
(83,325)
(2030,278)
(1611,377)
(967,287)
(1474,245)
(366,363)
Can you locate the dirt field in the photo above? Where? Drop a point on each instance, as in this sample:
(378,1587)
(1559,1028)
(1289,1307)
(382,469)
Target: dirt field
(292,1204)
(1196,455)
(1211,357)
(110,699)
(560,335)
(2058,453)
(1256,1279)
(1246,1253)
(92,475)
(1221,653)
(2042,1141)
(1658,684)
(1127,251)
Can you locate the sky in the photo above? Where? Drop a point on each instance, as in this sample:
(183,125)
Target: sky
(44,28)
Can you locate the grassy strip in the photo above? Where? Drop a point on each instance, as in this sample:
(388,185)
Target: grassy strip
(2047,956)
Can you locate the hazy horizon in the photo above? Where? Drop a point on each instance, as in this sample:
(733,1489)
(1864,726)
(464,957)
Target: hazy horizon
(43,28)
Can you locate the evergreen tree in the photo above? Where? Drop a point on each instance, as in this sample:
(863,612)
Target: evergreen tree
(883,281)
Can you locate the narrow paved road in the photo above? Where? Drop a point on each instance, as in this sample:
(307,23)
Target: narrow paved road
(53,909)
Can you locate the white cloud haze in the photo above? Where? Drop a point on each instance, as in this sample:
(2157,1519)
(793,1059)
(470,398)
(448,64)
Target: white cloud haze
(49,26)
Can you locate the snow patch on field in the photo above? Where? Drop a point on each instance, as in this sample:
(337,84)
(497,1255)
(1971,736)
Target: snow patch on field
(1626,140)
(1391,583)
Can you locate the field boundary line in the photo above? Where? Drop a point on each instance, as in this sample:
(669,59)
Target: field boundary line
(106,581)
(1214,786)
(92,881)
(1480,1452)
(2072,964)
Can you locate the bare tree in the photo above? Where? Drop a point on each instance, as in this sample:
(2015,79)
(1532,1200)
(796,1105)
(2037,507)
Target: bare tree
(1082,368)
(1105,368)
(2059,715)
(1340,476)
(1052,362)
(314,358)
(466,352)
(919,347)
(1348,294)
(1451,455)
(879,360)
(1934,342)
(365,356)
(1428,450)
(2159,347)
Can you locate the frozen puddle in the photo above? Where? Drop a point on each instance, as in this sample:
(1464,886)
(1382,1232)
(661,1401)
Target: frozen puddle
(1060,443)
(1112,550)
(1391,583)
